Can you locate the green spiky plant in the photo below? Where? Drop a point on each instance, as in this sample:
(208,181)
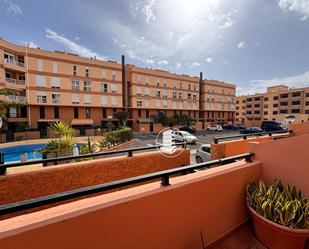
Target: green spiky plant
(281,204)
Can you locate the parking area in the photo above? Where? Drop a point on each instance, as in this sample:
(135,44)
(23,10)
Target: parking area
(203,137)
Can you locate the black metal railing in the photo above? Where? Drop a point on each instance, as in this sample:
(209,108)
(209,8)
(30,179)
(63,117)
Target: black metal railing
(56,160)
(83,192)
(245,136)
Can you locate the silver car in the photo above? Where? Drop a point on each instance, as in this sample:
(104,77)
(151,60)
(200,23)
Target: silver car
(184,136)
(203,153)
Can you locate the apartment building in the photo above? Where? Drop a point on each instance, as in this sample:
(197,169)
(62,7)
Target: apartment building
(278,102)
(85,92)
(218,103)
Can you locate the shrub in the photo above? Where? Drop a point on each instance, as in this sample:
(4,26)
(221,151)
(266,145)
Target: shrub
(115,137)
(282,205)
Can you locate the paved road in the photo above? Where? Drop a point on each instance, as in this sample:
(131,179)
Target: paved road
(203,137)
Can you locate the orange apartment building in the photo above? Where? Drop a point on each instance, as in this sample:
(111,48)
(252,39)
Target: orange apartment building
(84,92)
(278,102)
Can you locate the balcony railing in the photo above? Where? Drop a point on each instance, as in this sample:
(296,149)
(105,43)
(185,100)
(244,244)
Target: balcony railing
(10,80)
(13,62)
(86,191)
(16,98)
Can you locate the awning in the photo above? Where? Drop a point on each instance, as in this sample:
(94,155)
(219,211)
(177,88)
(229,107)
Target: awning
(48,120)
(82,121)
(144,120)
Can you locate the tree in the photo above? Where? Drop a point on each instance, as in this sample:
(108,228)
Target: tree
(162,118)
(123,117)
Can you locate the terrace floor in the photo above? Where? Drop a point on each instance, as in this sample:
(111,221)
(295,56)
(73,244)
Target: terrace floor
(243,238)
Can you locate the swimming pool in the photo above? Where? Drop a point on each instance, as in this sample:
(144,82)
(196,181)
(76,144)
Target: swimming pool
(13,153)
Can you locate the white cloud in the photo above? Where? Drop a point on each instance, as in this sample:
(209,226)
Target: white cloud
(150,61)
(163,62)
(32,44)
(209,59)
(298,6)
(260,86)
(76,38)
(71,45)
(178,65)
(195,64)
(13,7)
(148,11)
(242,44)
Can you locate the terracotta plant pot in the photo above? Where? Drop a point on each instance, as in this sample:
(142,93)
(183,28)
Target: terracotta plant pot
(275,236)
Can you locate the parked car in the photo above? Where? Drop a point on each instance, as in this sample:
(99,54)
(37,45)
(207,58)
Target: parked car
(214,128)
(203,153)
(189,128)
(273,126)
(240,127)
(230,127)
(251,130)
(184,136)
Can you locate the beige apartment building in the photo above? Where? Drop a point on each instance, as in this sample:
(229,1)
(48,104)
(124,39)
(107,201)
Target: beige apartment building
(87,92)
(278,102)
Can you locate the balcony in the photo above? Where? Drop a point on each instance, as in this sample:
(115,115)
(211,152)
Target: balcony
(205,209)
(14,65)
(15,98)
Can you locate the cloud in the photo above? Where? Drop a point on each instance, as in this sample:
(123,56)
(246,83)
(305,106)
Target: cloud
(13,7)
(260,86)
(71,45)
(32,44)
(76,38)
(148,11)
(298,6)
(163,62)
(178,65)
(195,64)
(209,59)
(242,44)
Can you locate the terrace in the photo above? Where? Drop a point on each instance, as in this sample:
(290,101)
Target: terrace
(205,209)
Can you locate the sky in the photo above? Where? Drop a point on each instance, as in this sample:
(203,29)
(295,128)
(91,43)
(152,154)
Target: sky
(251,43)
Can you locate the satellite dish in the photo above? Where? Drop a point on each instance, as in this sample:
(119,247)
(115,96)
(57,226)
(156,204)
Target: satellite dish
(1,122)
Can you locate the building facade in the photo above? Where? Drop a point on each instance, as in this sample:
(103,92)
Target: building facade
(277,103)
(84,92)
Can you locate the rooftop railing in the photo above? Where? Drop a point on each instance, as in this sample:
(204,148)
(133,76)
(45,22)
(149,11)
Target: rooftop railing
(57,160)
(245,136)
(86,191)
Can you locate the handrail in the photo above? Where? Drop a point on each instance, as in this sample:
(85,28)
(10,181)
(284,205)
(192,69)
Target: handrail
(3,167)
(68,195)
(244,136)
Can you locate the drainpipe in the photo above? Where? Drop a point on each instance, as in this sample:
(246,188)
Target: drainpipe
(201,97)
(124,88)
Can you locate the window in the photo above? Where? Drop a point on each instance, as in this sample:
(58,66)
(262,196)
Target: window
(189,86)
(75,85)
(295,111)
(55,97)
(275,113)
(194,88)
(40,65)
(76,114)
(164,103)
(307,112)
(189,96)
(147,102)
(174,95)
(40,80)
(275,105)
(114,75)
(104,87)
(265,106)
(87,99)
(56,112)
(139,103)
(103,74)
(194,97)
(41,98)
(164,95)
(275,98)
(296,94)
(307,102)
(158,103)
(158,93)
(147,113)
(55,82)
(284,111)
(266,99)
(114,88)
(88,115)
(165,83)
(295,102)
(180,85)
(75,99)
(147,91)
(55,67)
(87,86)
(180,95)
(114,101)
(13,112)
(42,112)
(104,100)
(74,70)
(307,94)
(87,72)
(138,91)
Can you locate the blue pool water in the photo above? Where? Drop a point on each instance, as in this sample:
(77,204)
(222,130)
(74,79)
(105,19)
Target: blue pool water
(13,153)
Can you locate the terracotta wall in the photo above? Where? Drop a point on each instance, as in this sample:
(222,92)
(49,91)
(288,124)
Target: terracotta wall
(27,135)
(285,159)
(299,129)
(235,147)
(147,216)
(54,179)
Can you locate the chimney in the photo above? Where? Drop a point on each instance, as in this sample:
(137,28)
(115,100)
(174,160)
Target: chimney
(124,88)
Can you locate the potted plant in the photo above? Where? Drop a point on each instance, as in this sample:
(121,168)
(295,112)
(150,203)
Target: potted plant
(280,215)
